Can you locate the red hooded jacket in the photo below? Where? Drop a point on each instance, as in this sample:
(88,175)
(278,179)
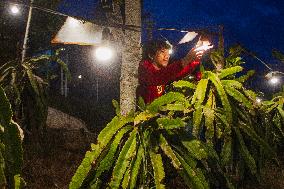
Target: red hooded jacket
(152,81)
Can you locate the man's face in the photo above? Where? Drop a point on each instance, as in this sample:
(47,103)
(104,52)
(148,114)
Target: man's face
(162,58)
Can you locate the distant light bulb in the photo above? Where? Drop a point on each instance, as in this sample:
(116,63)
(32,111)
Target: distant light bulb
(14,9)
(104,53)
(274,80)
(258,100)
(80,77)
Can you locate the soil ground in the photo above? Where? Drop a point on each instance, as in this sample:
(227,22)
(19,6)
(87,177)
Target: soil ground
(51,160)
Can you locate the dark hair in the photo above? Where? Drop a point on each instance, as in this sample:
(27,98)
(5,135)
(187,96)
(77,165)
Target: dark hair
(151,48)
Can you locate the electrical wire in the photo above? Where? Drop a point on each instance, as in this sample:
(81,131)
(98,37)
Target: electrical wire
(123,26)
(116,25)
(126,27)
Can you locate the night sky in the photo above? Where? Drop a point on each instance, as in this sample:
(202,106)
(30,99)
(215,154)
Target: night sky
(257,24)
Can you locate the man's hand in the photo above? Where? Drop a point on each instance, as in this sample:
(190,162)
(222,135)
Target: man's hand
(201,47)
(199,54)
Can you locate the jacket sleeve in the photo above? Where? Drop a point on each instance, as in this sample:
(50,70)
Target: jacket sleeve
(148,75)
(187,69)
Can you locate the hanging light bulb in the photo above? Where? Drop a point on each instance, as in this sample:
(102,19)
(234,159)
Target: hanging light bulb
(14,9)
(258,100)
(273,77)
(104,53)
(171,51)
(274,80)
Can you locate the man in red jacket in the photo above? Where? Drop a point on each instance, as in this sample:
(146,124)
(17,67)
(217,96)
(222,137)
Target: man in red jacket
(154,72)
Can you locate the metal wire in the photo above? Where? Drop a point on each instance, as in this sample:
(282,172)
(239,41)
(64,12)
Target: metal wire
(126,27)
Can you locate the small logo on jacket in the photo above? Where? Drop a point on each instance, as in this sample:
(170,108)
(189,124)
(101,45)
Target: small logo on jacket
(160,89)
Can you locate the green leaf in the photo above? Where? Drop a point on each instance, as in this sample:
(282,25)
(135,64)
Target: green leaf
(108,132)
(11,144)
(245,77)
(169,152)
(37,59)
(216,57)
(136,167)
(186,155)
(175,107)
(209,120)
(235,50)
(64,67)
(232,83)
(277,54)
(234,61)
(103,139)
(126,178)
(5,108)
(108,160)
(280,110)
(165,99)
(245,152)
(184,84)
(32,80)
(250,94)
(197,99)
(127,153)
(229,182)
(226,154)
(19,182)
(143,116)
(117,107)
(200,92)
(194,178)
(211,152)
(209,116)
(96,185)
(237,95)
(197,118)
(229,71)
(255,137)
(170,123)
(5,73)
(158,169)
(227,126)
(223,96)
(196,149)
(3,181)
(272,107)
(84,167)
(141,103)
(277,122)
(13,148)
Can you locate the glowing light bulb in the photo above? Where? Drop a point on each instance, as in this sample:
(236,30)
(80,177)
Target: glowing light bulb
(80,77)
(104,53)
(258,100)
(14,9)
(274,80)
